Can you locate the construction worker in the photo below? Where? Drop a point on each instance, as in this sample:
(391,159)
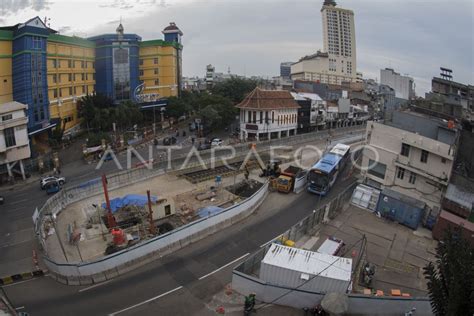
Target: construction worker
(249,303)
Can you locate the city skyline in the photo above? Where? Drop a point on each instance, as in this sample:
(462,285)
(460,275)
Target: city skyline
(407,37)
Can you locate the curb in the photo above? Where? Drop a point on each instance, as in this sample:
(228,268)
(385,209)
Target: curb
(21,277)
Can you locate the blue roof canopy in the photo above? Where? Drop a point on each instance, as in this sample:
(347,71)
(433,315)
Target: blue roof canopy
(129,199)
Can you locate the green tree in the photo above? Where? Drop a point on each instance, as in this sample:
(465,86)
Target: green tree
(451,277)
(234,88)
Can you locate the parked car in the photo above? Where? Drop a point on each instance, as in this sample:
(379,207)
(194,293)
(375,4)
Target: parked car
(216,142)
(204,146)
(61,181)
(167,141)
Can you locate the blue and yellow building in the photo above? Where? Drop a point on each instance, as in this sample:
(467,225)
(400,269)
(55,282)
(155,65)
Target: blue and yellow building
(50,72)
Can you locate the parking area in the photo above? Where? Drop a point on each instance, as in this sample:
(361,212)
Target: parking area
(398,252)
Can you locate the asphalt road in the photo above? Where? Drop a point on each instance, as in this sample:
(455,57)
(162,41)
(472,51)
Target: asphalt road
(181,271)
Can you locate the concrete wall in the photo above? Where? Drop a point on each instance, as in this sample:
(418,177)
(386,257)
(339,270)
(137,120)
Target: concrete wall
(127,260)
(358,304)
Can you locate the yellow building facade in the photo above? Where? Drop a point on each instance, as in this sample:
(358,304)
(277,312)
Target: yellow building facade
(6,88)
(158,67)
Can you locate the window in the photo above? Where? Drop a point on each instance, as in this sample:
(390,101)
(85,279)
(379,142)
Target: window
(93,65)
(249,116)
(55,78)
(83,89)
(82,77)
(70,77)
(141,72)
(60,92)
(424,156)
(167,210)
(68,119)
(55,93)
(141,62)
(405,150)
(82,64)
(70,90)
(412,178)
(155,61)
(7,117)
(400,173)
(36,42)
(54,63)
(273,117)
(254,117)
(157,82)
(156,71)
(377,169)
(10,140)
(443,160)
(261,117)
(69,63)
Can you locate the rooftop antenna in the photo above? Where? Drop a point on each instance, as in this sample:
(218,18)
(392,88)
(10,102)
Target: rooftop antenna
(228,70)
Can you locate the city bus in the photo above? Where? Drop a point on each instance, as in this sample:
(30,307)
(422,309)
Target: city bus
(324,173)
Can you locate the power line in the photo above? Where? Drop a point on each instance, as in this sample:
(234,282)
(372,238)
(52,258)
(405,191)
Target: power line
(332,263)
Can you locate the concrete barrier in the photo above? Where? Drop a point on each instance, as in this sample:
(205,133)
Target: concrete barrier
(111,266)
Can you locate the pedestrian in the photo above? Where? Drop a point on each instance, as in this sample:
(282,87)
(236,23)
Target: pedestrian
(192,140)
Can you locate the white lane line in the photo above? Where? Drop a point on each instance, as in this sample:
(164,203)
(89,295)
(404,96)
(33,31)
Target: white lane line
(224,266)
(145,302)
(20,282)
(93,286)
(20,308)
(19,201)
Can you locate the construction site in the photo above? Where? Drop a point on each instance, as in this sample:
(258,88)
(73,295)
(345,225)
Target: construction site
(118,219)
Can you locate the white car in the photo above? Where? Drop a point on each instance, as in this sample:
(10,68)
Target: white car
(216,142)
(45,180)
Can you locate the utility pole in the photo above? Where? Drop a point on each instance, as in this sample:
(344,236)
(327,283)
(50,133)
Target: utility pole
(152,227)
(110,218)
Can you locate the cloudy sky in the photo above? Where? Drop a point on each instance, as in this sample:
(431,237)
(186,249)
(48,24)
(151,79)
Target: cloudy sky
(252,37)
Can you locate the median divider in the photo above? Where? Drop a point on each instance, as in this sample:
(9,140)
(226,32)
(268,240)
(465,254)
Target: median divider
(21,277)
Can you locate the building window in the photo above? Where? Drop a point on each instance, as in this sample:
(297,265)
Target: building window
(70,90)
(68,119)
(155,71)
(273,117)
(70,77)
(54,62)
(141,62)
(155,61)
(249,117)
(93,65)
(377,169)
(83,89)
(10,140)
(254,117)
(412,178)
(36,42)
(424,156)
(55,93)
(82,64)
(60,92)
(443,160)
(405,150)
(69,63)
(141,72)
(7,117)
(82,77)
(55,78)
(157,82)
(400,173)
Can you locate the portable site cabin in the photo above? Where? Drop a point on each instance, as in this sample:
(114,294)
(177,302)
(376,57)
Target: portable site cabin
(401,208)
(292,267)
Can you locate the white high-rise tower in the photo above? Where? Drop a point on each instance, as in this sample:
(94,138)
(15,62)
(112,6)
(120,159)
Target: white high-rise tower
(339,38)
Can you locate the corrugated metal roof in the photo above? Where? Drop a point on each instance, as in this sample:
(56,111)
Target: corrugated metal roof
(460,196)
(309,262)
(404,198)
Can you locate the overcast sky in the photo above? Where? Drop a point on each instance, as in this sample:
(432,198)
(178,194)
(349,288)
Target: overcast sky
(252,37)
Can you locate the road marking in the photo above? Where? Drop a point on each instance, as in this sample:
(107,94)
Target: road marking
(224,266)
(20,282)
(147,301)
(19,201)
(93,286)
(20,308)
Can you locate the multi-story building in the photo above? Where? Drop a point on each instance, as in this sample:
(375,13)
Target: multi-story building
(51,72)
(339,39)
(268,114)
(337,62)
(413,155)
(71,75)
(285,69)
(14,143)
(403,85)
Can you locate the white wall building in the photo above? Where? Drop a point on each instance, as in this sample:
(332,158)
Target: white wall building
(412,155)
(337,63)
(268,114)
(403,85)
(14,142)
